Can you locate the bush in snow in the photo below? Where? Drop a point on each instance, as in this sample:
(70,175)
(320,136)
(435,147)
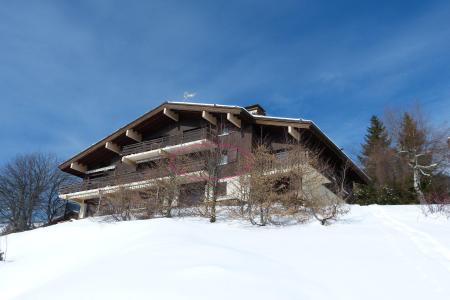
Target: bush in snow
(291,187)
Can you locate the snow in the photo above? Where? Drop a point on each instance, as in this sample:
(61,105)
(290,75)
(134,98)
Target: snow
(375,252)
(204,104)
(280,118)
(236,106)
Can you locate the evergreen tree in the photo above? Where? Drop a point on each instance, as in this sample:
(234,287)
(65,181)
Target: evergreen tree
(379,160)
(376,139)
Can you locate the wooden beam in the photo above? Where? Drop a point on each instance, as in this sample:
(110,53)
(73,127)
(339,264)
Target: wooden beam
(283,123)
(294,133)
(171,114)
(132,134)
(128,161)
(208,108)
(234,119)
(78,167)
(113,147)
(151,114)
(209,117)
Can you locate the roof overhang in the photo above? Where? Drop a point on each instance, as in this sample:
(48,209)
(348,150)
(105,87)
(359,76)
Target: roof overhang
(170,107)
(176,106)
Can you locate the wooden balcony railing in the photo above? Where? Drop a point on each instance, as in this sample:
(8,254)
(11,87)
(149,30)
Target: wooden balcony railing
(119,179)
(172,140)
(286,157)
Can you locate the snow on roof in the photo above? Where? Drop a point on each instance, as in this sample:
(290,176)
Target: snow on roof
(274,118)
(256,117)
(239,107)
(205,104)
(280,118)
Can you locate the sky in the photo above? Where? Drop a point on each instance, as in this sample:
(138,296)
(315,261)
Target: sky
(72,72)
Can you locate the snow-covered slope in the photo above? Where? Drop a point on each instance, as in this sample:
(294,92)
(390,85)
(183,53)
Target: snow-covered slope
(374,253)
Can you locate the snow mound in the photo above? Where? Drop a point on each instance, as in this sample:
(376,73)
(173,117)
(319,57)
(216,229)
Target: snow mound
(376,252)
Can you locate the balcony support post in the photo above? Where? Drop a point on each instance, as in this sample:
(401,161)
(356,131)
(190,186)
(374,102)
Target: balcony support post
(82,212)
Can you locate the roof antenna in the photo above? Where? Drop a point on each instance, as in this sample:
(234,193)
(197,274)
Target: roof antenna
(187,96)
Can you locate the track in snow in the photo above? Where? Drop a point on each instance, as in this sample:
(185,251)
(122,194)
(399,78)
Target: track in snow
(428,245)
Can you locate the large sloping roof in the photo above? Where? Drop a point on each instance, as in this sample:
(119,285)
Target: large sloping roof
(219,108)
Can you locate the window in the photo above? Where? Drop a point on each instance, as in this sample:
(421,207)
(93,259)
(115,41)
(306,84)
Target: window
(282,154)
(146,165)
(232,155)
(221,189)
(192,129)
(223,158)
(225,130)
(282,185)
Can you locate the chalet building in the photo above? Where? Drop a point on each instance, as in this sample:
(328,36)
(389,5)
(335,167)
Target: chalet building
(126,158)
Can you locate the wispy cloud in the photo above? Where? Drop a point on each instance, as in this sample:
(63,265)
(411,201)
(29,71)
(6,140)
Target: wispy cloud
(74,72)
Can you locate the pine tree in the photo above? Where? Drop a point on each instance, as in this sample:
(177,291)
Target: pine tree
(377,157)
(376,138)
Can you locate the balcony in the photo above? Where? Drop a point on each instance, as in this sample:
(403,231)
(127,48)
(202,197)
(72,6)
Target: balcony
(92,188)
(187,142)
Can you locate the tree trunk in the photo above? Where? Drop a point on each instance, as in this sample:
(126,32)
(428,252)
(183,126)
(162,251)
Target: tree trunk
(417,187)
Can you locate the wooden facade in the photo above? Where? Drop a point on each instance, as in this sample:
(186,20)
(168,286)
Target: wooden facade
(126,156)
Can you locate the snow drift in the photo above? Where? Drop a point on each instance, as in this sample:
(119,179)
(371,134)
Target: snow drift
(373,253)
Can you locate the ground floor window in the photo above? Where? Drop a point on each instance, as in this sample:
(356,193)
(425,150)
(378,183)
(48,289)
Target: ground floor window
(221,188)
(191,194)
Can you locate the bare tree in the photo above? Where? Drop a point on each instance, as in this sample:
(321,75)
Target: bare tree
(51,206)
(219,160)
(121,204)
(259,190)
(262,179)
(310,185)
(28,190)
(326,199)
(422,148)
(214,159)
(156,191)
(3,246)
(292,185)
(152,196)
(168,184)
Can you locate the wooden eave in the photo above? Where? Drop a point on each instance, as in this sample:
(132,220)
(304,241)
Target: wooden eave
(305,124)
(281,122)
(111,137)
(317,132)
(119,135)
(199,107)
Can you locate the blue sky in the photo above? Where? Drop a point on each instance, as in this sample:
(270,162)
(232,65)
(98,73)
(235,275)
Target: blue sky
(73,71)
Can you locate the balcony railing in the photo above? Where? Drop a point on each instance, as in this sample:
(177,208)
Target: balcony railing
(119,179)
(284,157)
(172,140)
